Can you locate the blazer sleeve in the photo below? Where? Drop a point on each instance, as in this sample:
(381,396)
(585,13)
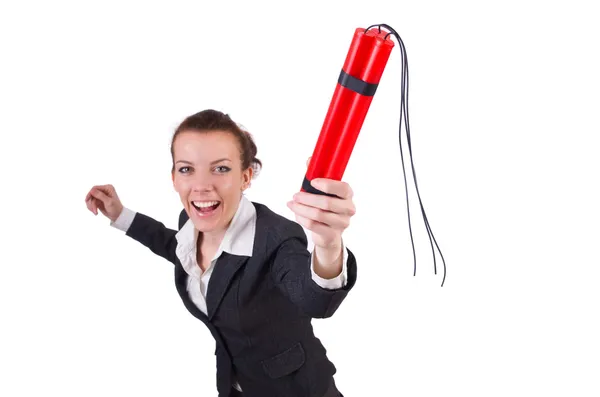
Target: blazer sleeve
(291,271)
(151,233)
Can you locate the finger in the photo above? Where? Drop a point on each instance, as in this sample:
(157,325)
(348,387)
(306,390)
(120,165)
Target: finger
(316,227)
(327,218)
(109,190)
(326,203)
(106,189)
(92,206)
(88,196)
(100,195)
(332,186)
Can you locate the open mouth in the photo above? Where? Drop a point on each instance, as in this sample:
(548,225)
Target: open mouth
(204,208)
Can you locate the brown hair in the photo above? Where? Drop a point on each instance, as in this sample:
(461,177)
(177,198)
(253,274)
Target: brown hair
(211,120)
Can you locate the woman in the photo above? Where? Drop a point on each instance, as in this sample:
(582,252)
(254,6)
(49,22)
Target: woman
(265,286)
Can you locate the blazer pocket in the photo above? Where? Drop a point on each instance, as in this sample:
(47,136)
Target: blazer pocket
(285,362)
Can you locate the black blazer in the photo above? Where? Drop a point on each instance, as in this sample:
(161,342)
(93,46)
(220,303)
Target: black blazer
(260,308)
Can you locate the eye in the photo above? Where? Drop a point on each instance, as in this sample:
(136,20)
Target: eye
(223,168)
(184,170)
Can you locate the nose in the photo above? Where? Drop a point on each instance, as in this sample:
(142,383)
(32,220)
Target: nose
(202,183)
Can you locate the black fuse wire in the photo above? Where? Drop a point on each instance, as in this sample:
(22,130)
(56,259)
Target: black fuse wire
(404,111)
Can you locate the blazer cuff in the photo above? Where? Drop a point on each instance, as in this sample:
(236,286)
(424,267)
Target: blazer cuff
(334,283)
(124,220)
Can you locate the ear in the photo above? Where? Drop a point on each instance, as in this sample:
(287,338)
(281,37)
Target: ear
(247,178)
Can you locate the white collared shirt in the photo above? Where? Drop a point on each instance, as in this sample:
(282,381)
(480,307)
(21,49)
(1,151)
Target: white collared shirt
(238,240)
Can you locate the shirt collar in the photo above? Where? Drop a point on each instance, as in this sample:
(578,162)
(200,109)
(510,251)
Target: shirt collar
(238,239)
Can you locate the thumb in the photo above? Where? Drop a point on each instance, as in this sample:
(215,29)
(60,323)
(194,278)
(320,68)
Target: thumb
(308,161)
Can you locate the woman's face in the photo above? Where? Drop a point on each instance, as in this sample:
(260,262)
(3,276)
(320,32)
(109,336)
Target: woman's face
(209,178)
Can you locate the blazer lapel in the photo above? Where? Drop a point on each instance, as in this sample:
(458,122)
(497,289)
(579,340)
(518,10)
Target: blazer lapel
(225,268)
(180,284)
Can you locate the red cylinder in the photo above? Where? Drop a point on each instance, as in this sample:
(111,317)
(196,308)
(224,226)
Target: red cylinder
(358,81)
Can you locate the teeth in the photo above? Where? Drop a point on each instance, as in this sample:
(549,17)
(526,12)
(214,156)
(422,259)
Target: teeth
(204,204)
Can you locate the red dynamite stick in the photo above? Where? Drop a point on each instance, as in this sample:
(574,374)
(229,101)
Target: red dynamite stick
(356,86)
(357,83)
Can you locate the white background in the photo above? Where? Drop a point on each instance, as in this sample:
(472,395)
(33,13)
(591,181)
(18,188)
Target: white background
(503,105)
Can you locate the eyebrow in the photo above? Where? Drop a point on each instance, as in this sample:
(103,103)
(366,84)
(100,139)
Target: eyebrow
(212,162)
(219,160)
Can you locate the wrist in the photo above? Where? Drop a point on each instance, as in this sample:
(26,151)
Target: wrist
(328,261)
(328,254)
(117,214)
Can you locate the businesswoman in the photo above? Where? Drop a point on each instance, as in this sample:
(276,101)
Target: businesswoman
(243,270)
